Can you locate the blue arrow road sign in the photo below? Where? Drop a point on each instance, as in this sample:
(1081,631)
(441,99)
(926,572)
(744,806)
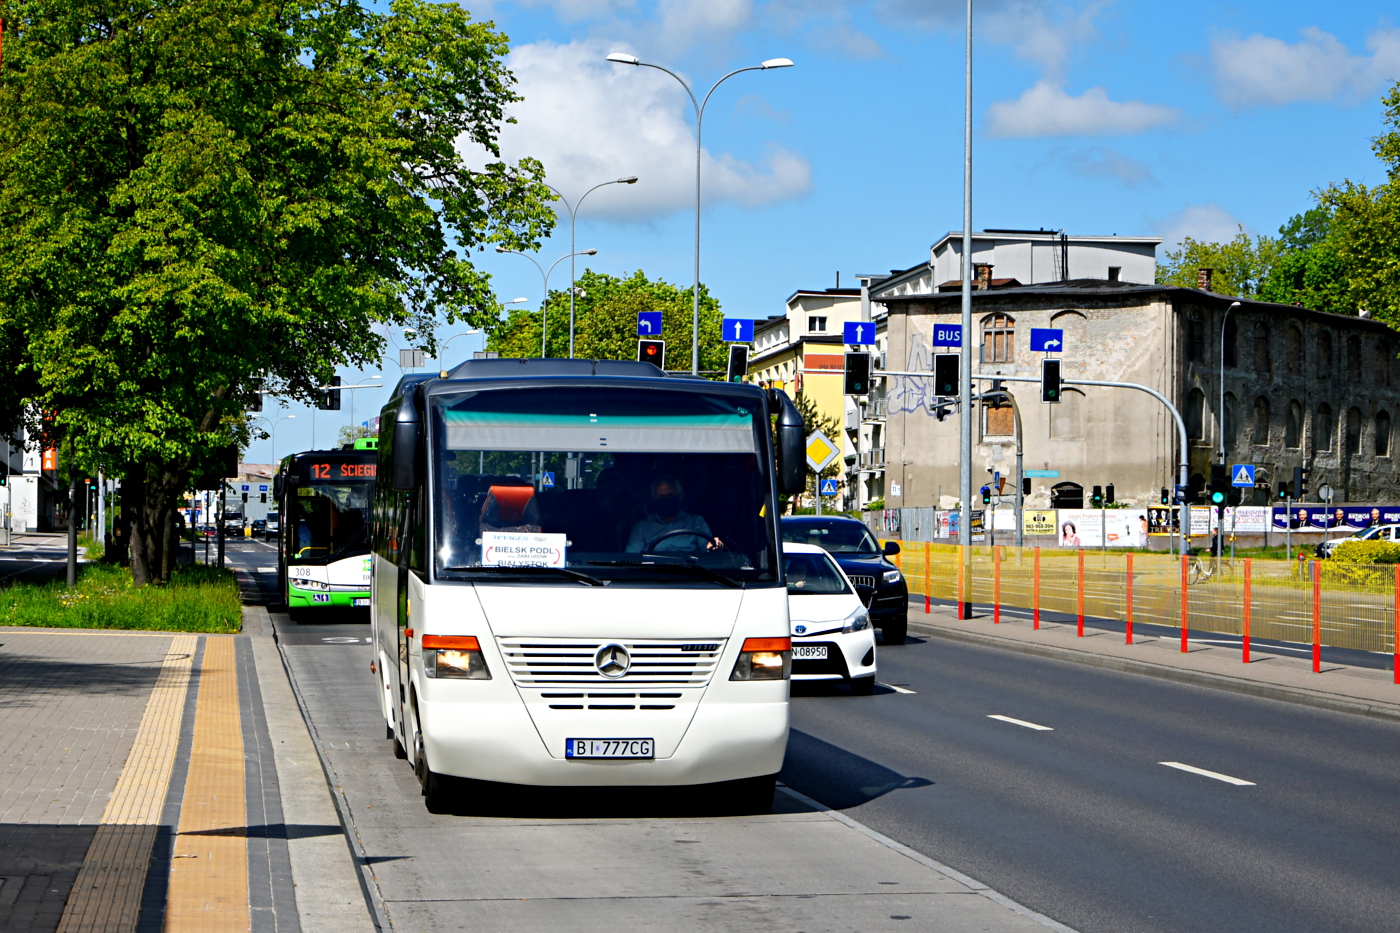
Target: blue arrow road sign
(1047,340)
(648,323)
(947,335)
(859,333)
(1242,474)
(828,487)
(738,330)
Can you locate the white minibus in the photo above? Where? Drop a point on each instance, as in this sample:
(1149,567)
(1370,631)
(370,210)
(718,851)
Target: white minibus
(578,577)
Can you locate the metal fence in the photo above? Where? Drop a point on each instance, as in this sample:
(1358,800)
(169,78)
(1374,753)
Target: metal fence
(1322,603)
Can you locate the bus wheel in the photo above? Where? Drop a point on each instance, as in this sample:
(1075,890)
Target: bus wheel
(436,793)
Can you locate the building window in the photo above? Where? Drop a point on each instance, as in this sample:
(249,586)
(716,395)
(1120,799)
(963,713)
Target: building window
(816,324)
(1196,415)
(1293,348)
(998,420)
(998,339)
(1261,421)
(1195,338)
(1067,416)
(1382,434)
(1353,357)
(1383,361)
(1293,425)
(1323,428)
(1262,364)
(1354,431)
(1232,341)
(1324,356)
(1066,496)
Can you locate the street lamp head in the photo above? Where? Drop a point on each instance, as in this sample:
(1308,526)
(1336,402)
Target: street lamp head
(629,180)
(622,58)
(589,252)
(517,301)
(502,249)
(1234,305)
(776,63)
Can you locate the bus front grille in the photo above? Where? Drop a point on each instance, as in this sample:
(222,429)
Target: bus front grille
(541,662)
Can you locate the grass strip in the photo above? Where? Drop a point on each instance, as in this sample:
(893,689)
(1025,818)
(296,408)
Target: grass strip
(197,599)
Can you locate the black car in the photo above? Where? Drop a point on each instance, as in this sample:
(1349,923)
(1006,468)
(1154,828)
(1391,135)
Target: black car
(260,527)
(860,555)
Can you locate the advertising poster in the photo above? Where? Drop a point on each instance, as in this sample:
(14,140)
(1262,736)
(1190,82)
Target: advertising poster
(1247,520)
(1040,522)
(977,526)
(1163,520)
(1088,527)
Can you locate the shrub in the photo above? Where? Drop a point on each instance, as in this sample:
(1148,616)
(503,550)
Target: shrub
(1367,552)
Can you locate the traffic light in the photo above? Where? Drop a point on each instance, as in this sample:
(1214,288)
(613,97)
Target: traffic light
(986,494)
(738,363)
(857,374)
(945,374)
(1096,497)
(653,352)
(330,397)
(1181,493)
(4,480)
(1050,380)
(1285,491)
(1219,483)
(1300,482)
(1025,485)
(1232,498)
(1166,496)
(245,498)
(1108,494)
(264,497)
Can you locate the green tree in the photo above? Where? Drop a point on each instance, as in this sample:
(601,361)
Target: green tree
(605,328)
(204,199)
(1240,265)
(350,433)
(814,420)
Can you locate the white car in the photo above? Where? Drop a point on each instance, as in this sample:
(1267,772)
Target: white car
(831,634)
(1374,533)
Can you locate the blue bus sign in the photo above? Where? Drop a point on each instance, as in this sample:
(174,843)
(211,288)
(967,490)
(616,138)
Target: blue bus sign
(947,335)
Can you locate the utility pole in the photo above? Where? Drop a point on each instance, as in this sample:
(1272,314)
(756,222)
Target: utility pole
(965,352)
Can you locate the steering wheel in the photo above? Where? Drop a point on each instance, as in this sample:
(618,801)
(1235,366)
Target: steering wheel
(671,534)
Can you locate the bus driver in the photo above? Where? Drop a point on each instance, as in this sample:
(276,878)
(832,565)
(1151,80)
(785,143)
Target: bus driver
(668,528)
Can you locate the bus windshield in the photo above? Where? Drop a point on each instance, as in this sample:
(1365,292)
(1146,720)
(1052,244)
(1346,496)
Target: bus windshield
(329,519)
(648,488)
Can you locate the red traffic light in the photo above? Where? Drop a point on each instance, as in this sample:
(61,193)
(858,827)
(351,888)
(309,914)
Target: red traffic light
(652,351)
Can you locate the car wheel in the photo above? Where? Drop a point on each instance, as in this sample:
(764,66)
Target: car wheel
(895,631)
(863,686)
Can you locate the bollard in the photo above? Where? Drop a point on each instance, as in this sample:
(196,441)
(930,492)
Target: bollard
(1248,577)
(1081,593)
(1129,639)
(1035,603)
(996,585)
(1317,618)
(928,579)
(1185,564)
(962,584)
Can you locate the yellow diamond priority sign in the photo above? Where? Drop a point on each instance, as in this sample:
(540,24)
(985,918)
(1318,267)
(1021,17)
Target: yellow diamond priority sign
(820,451)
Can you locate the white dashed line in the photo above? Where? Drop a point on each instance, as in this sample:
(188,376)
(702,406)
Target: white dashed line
(267,570)
(1022,723)
(1210,774)
(898,689)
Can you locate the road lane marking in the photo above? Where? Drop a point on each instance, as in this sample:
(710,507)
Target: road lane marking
(266,570)
(107,892)
(898,689)
(1021,722)
(1210,774)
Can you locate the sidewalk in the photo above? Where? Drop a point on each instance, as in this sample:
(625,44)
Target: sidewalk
(1272,673)
(153,781)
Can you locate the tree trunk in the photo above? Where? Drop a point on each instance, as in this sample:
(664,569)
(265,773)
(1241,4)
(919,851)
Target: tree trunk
(148,499)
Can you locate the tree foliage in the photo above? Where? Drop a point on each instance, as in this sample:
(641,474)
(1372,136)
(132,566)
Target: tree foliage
(1240,265)
(605,328)
(207,198)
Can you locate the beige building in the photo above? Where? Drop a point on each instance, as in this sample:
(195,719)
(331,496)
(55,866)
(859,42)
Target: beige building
(1302,388)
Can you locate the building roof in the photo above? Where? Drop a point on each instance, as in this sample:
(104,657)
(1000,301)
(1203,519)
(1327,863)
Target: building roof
(1004,234)
(826,293)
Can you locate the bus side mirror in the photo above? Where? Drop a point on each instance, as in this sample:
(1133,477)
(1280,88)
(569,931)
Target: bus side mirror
(792,445)
(407,437)
(277,486)
(891,548)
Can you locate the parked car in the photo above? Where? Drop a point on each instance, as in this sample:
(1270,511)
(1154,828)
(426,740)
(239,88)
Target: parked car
(1374,533)
(259,527)
(831,634)
(864,561)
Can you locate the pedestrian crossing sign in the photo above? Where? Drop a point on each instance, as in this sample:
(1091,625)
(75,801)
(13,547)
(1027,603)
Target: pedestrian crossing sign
(828,487)
(1242,474)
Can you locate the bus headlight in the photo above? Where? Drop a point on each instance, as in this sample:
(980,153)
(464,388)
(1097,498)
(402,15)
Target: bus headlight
(856,621)
(454,656)
(764,659)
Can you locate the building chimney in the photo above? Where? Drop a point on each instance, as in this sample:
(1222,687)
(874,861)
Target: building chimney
(1203,279)
(982,275)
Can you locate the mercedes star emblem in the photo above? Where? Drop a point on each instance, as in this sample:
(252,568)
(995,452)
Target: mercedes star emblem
(612,661)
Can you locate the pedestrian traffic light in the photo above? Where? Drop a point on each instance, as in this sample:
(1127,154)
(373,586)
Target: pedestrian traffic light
(1232,498)
(857,374)
(1025,485)
(263,496)
(738,363)
(1166,496)
(1300,482)
(1096,497)
(986,494)
(1219,483)
(945,374)
(1049,380)
(1108,494)
(330,396)
(4,479)
(1181,492)
(653,352)
(245,498)
(1284,492)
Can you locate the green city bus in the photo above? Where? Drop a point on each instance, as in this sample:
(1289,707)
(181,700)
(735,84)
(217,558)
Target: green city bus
(323,549)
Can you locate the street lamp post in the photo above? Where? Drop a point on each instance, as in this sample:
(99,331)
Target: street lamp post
(272,432)
(621,58)
(544,304)
(442,351)
(573,217)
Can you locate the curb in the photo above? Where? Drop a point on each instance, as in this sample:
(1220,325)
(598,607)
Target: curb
(1294,695)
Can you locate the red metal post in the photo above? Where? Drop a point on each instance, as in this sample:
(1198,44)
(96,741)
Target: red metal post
(1081,593)
(1185,625)
(1248,578)
(1130,599)
(928,578)
(1035,607)
(962,582)
(1317,618)
(996,585)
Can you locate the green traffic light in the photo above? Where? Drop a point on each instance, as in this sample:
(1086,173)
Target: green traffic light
(1217,497)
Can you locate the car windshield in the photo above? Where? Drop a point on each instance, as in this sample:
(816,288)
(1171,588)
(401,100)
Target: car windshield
(656,488)
(811,574)
(834,537)
(329,519)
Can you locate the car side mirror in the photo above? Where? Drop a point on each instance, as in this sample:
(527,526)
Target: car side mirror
(891,549)
(866,594)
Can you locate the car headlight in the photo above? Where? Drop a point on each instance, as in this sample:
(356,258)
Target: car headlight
(893,576)
(856,621)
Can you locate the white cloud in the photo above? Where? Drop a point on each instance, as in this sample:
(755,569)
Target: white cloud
(686,21)
(589,120)
(1043,35)
(1046,110)
(1104,162)
(1208,223)
(1261,70)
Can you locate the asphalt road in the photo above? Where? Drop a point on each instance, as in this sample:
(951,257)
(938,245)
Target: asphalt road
(1081,821)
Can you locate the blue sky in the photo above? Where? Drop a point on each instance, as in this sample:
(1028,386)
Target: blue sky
(1096,116)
